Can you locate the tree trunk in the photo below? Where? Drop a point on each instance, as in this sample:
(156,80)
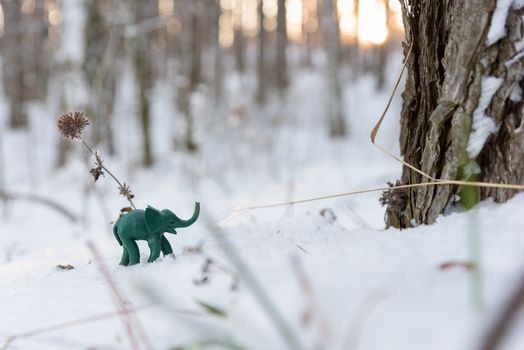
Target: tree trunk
(239,40)
(101,75)
(337,124)
(13,65)
(281,59)
(190,65)
(38,56)
(261,59)
(462,105)
(218,76)
(144,75)
(355,57)
(383,51)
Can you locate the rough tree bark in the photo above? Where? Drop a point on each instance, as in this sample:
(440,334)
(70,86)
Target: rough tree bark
(462,105)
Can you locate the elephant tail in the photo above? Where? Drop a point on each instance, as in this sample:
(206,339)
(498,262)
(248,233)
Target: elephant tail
(116,234)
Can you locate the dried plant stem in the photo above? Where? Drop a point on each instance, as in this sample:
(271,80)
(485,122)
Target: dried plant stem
(93,153)
(436,182)
(77,322)
(309,293)
(129,325)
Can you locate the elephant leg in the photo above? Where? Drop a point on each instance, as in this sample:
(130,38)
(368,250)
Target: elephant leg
(165,245)
(125,257)
(132,251)
(154,246)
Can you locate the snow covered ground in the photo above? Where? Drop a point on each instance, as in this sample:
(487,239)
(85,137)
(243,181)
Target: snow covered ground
(333,275)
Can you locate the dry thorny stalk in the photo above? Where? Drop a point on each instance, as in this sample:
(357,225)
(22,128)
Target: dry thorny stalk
(71,125)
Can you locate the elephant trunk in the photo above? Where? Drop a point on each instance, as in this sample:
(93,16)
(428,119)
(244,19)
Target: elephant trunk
(191,221)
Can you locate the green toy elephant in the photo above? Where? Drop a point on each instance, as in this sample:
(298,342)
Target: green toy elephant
(148,225)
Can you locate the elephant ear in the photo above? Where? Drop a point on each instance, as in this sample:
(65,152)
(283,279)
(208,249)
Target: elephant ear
(153,219)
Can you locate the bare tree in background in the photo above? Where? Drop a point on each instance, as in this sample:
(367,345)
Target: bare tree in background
(218,76)
(337,124)
(142,60)
(383,51)
(462,115)
(190,64)
(239,45)
(13,63)
(37,62)
(281,60)
(101,76)
(261,94)
(356,46)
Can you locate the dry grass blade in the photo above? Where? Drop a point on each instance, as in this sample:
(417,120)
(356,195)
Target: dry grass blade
(377,126)
(344,194)
(247,276)
(374,132)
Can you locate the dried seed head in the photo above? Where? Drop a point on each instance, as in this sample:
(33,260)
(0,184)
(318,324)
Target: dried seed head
(394,198)
(72,124)
(126,191)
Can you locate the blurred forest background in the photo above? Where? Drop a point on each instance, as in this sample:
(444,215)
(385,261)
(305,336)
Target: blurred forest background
(219,63)
(245,103)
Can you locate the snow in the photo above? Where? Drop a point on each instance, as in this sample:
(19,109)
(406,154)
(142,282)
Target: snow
(518,4)
(373,288)
(497,28)
(516,93)
(370,288)
(483,125)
